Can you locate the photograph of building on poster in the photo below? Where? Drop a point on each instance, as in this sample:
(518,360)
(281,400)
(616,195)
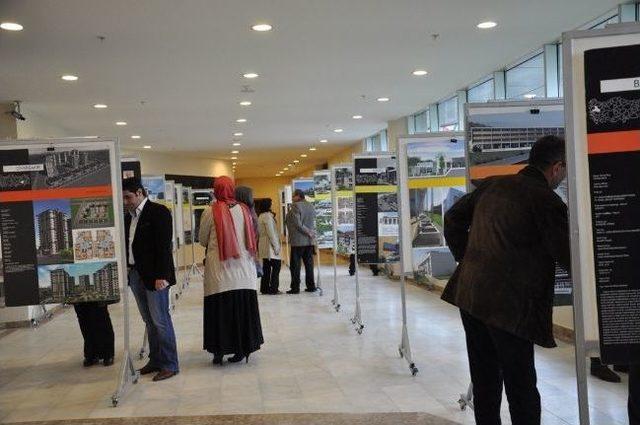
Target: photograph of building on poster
(324,228)
(90,213)
(70,168)
(52,219)
(186,216)
(307,187)
(426,210)
(344,179)
(437,158)
(154,185)
(321,184)
(72,283)
(345,210)
(383,174)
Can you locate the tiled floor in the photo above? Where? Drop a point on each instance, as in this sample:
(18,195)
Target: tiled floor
(312,361)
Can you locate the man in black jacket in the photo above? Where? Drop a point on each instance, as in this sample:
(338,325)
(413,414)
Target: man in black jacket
(148,231)
(507,236)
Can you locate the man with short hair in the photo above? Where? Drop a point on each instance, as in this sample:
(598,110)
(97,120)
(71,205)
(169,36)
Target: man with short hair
(148,232)
(507,236)
(301,221)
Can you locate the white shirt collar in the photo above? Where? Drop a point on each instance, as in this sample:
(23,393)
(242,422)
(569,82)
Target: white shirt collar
(138,210)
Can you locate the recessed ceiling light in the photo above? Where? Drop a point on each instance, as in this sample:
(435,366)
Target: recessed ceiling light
(323,141)
(238,134)
(69,77)
(250,75)
(357,117)
(261,27)
(236,143)
(312,148)
(147,146)
(245,103)
(338,130)
(383,99)
(100,106)
(289,165)
(234,164)
(241,120)
(486,25)
(529,95)
(419,72)
(121,123)
(235,151)
(286,169)
(234,157)
(296,161)
(135,136)
(303,155)
(11,26)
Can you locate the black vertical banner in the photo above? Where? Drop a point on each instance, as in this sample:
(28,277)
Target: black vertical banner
(17,231)
(612,83)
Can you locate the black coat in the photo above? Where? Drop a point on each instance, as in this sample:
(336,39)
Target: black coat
(507,236)
(152,244)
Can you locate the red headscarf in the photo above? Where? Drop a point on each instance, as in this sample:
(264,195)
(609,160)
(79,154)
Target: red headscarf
(225,230)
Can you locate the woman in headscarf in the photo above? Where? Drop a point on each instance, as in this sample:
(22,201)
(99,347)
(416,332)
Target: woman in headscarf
(244,194)
(231,314)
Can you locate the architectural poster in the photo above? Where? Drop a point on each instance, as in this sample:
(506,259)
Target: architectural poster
(323,207)
(344,206)
(201,199)
(58,225)
(376,207)
(186,215)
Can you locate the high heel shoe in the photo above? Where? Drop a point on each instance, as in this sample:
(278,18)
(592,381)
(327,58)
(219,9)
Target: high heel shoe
(217,359)
(238,358)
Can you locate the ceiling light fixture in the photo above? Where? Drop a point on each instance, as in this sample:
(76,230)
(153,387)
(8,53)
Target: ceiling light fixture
(289,165)
(261,27)
(234,164)
(312,148)
(323,141)
(357,117)
(383,99)
(121,123)
(135,136)
(241,120)
(296,161)
(303,155)
(234,157)
(234,152)
(236,144)
(238,134)
(338,130)
(100,106)
(11,26)
(419,72)
(245,103)
(147,147)
(250,75)
(487,25)
(69,78)
(286,169)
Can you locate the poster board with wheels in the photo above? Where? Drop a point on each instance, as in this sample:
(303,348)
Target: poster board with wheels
(60,221)
(200,199)
(169,202)
(324,208)
(131,168)
(186,215)
(343,209)
(432,176)
(179,224)
(602,104)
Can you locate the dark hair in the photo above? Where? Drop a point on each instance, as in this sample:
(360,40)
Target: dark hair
(546,151)
(264,205)
(133,184)
(244,194)
(298,192)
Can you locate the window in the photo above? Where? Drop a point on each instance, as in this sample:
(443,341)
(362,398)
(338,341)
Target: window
(481,92)
(448,114)
(377,143)
(560,72)
(526,80)
(612,20)
(419,122)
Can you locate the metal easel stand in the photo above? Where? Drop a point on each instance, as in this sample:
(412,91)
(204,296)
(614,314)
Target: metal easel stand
(319,277)
(128,373)
(466,399)
(357,318)
(185,272)
(405,347)
(336,294)
(194,269)
(44,315)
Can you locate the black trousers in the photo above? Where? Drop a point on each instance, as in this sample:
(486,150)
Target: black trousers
(634,394)
(304,254)
(96,328)
(270,280)
(352,264)
(496,358)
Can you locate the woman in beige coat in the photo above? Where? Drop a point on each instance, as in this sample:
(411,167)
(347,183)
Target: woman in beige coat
(268,249)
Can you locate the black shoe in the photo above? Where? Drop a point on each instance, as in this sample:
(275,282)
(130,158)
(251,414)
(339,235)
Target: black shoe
(238,358)
(291,291)
(90,362)
(108,361)
(601,371)
(148,368)
(311,290)
(275,293)
(217,359)
(622,368)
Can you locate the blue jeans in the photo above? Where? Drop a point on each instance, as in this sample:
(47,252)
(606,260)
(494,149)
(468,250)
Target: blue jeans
(154,309)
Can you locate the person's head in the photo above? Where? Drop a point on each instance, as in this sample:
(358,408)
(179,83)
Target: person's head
(264,205)
(298,195)
(133,193)
(224,189)
(548,155)
(244,194)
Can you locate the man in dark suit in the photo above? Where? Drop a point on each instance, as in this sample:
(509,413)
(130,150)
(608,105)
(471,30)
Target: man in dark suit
(148,231)
(507,236)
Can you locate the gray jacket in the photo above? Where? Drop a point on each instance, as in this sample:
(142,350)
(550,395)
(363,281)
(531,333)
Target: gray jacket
(301,224)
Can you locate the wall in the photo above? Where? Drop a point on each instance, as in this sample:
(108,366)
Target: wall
(172,163)
(395,129)
(267,188)
(8,127)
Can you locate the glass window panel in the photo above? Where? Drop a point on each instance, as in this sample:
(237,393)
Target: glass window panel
(448,114)
(422,122)
(560,72)
(481,92)
(612,20)
(527,79)
(382,137)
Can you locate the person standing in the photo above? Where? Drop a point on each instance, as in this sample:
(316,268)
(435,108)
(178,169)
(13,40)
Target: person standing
(301,221)
(634,394)
(148,231)
(97,332)
(268,249)
(231,322)
(507,236)
(244,194)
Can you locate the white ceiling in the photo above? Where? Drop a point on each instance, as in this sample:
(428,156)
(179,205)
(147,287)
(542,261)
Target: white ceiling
(325,61)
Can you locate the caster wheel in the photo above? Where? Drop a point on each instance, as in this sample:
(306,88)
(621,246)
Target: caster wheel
(463,405)
(353,321)
(135,380)
(359,331)
(114,402)
(414,371)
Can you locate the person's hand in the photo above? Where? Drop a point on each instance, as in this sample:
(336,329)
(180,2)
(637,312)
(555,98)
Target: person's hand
(161,284)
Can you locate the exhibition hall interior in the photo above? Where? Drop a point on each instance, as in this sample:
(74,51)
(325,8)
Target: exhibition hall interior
(319,212)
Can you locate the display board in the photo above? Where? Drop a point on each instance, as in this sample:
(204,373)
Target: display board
(500,136)
(306,185)
(179,221)
(200,199)
(285,204)
(432,172)
(186,215)
(344,207)
(323,207)
(376,208)
(131,167)
(603,123)
(60,232)
(155,188)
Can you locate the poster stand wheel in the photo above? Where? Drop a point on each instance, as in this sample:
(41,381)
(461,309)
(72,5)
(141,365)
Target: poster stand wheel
(466,399)
(319,278)
(128,375)
(145,345)
(44,315)
(357,317)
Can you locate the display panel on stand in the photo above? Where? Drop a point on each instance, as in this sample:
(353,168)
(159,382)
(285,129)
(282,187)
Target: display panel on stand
(201,199)
(59,229)
(344,205)
(376,209)
(323,207)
